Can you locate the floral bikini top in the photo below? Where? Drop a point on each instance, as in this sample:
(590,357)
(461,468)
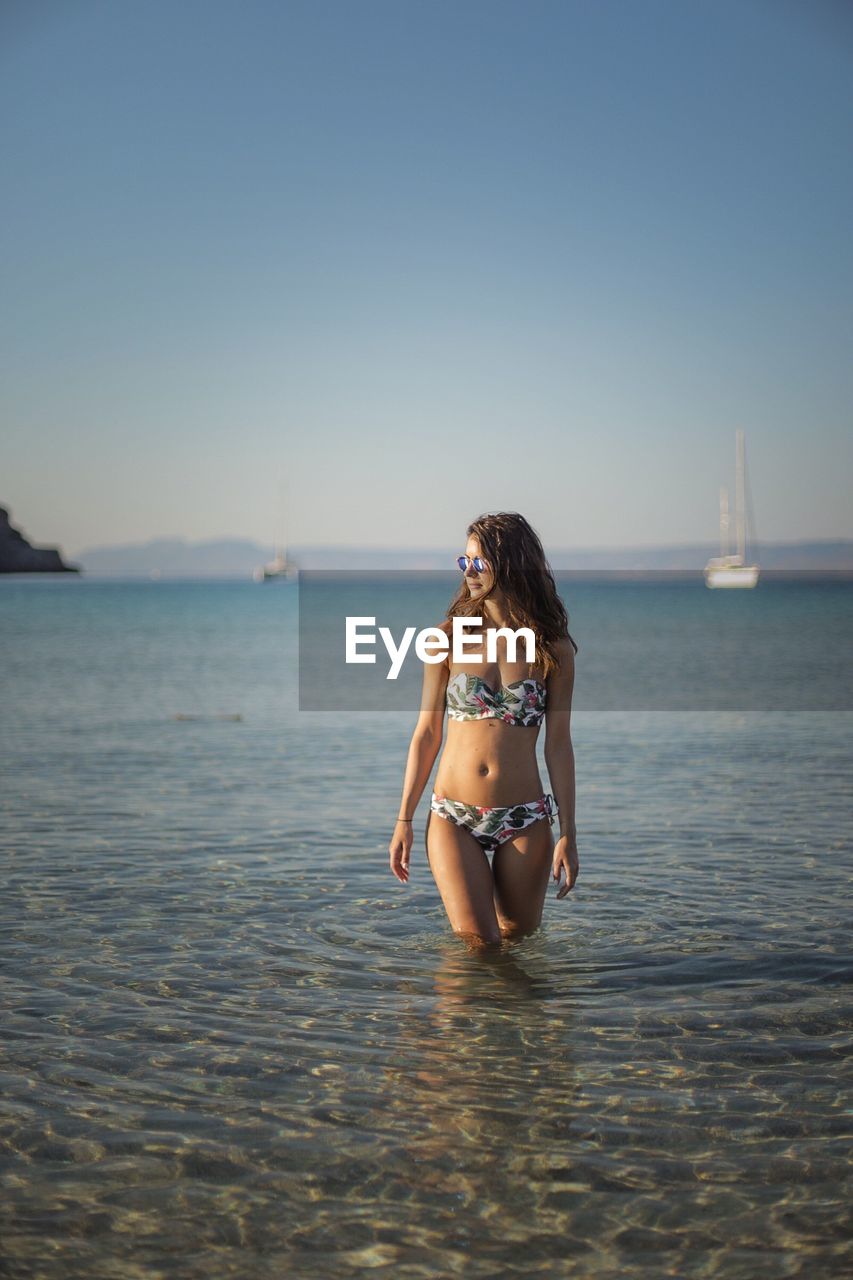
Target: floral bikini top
(469,698)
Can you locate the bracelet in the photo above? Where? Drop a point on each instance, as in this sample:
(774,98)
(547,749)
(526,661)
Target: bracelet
(404,819)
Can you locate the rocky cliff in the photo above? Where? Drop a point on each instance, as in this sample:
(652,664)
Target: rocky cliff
(17,556)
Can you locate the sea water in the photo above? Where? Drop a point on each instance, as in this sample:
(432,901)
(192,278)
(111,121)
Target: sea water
(233,1044)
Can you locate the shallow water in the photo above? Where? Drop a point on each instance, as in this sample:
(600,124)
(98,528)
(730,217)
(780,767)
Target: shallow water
(234,1044)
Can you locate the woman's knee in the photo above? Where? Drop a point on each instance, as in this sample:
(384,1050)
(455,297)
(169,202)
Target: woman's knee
(480,939)
(473,921)
(511,929)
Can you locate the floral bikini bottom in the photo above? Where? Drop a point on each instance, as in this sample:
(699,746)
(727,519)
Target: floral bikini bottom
(492,826)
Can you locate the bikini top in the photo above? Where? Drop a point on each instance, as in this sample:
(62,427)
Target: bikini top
(521,703)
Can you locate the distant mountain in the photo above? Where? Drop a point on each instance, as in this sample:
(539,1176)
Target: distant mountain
(829,554)
(175,558)
(239,557)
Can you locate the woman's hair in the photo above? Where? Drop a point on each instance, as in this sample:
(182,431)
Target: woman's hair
(517,561)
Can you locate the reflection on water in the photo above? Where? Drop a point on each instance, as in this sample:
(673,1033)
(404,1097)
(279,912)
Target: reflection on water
(234,1044)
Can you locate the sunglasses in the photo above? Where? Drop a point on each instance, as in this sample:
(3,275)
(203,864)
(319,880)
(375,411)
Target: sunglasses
(477,561)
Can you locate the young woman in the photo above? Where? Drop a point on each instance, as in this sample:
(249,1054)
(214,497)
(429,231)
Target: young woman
(488,796)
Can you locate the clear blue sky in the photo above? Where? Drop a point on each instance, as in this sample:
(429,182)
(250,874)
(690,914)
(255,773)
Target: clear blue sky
(425,259)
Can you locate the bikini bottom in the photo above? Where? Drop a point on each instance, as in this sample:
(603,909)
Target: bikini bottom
(492,826)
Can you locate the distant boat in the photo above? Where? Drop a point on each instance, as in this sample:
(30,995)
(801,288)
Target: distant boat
(279,569)
(732,570)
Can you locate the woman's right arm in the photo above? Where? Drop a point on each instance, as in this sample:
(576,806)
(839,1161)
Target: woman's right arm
(423,750)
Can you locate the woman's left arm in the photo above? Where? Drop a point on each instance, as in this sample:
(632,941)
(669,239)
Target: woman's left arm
(560,760)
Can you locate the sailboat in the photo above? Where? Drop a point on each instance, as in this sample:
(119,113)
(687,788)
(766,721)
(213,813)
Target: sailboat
(280,568)
(732,570)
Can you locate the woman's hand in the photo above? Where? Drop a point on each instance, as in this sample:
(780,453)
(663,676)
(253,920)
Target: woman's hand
(565,859)
(399,849)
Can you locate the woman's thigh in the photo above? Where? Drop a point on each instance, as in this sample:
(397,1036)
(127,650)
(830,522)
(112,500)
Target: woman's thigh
(520,870)
(462,873)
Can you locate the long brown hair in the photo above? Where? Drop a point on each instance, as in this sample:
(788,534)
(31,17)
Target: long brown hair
(517,560)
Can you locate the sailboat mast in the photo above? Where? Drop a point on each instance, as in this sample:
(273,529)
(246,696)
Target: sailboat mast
(724,522)
(741,538)
(284,518)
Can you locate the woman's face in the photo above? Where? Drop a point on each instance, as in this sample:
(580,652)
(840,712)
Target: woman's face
(478,583)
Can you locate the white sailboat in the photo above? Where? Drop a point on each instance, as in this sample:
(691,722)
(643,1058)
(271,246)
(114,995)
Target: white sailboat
(732,570)
(280,568)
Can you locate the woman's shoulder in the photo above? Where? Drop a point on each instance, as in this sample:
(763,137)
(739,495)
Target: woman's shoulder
(446,625)
(564,650)
(563,653)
